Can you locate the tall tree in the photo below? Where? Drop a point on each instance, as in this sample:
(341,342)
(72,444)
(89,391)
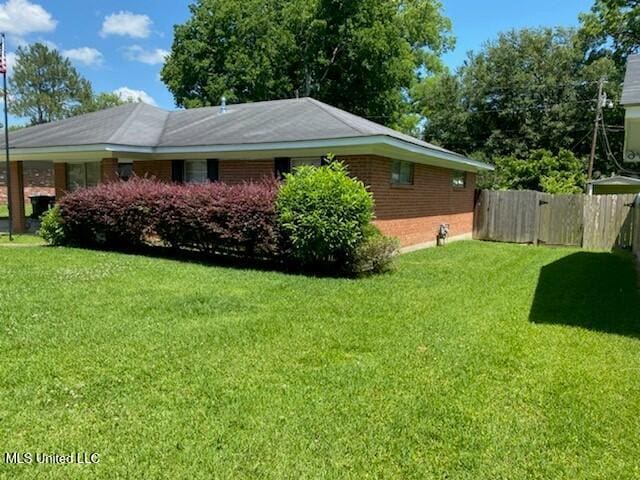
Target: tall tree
(101,101)
(527,90)
(613,26)
(45,86)
(360,55)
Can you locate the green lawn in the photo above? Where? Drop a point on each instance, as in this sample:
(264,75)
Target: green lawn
(20,239)
(474,361)
(4,210)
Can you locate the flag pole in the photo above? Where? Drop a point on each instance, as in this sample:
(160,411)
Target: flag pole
(3,68)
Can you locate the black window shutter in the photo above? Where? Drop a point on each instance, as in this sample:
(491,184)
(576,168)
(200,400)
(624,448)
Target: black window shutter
(212,170)
(177,171)
(283,165)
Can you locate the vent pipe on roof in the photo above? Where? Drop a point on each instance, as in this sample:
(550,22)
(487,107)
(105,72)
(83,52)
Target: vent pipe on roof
(223,105)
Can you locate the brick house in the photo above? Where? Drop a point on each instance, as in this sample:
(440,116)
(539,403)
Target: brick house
(416,186)
(37,180)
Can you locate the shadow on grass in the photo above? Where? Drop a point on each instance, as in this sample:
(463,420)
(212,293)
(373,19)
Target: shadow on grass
(597,291)
(238,262)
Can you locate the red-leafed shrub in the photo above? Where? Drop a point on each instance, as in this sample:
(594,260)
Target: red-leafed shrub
(210,218)
(220,218)
(116,215)
(319,219)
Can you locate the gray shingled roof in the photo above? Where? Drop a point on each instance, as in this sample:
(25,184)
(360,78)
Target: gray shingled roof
(631,89)
(134,124)
(617,180)
(142,125)
(139,124)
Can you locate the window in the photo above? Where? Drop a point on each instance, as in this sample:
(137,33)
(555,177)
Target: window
(402,173)
(125,171)
(81,175)
(282,166)
(311,161)
(195,171)
(213,170)
(177,171)
(459,179)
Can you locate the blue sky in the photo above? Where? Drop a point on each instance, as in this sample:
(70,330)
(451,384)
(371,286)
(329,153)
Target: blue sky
(119,45)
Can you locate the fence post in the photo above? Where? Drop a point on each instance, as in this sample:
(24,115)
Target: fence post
(536,228)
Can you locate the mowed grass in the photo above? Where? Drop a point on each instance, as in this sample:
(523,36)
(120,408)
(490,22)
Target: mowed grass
(19,240)
(474,361)
(4,210)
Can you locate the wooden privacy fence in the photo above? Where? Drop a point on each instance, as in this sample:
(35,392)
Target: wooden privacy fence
(598,222)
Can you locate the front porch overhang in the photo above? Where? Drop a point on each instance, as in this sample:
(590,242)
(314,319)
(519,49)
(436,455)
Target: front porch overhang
(375,145)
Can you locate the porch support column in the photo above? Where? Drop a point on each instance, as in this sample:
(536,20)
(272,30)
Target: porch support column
(109,170)
(60,179)
(16,199)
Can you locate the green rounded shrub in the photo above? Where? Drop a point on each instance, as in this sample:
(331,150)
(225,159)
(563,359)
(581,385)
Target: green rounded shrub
(323,213)
(51,227)
(375,254)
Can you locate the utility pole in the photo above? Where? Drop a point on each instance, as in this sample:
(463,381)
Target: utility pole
(594,142)
(3,70)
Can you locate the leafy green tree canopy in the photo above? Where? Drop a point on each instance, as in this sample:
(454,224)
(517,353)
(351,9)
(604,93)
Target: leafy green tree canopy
(540,170)
(525,91)
(360,55)
(102,101)
(45,86)
(613,26)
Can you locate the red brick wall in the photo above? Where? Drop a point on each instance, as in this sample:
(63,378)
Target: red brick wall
(229,171)
(38,179)
(28,191)
(109,170)
(238,171)
(36,174)
(413,213)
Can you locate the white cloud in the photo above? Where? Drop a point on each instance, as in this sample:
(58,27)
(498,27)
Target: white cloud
(126,93)
(21,17)
(136,53)
(126,24)
(84,55)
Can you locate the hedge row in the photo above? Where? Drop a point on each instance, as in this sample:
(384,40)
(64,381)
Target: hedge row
(319,218)
(212,218)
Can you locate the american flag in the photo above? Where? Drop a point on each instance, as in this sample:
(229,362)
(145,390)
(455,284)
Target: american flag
(3,56)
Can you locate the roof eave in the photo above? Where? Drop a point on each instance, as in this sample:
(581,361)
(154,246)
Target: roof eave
(380,145)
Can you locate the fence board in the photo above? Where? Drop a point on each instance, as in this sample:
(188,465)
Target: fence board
(608,222)
(508,216)
(561,219)
(599,222)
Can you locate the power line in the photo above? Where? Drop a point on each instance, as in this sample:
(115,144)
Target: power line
(613,158)
(610,154)
(532,107)
(508,110)
(541,85)
(589,132)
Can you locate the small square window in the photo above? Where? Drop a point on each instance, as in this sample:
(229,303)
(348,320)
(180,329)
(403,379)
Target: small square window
(125,171)
(93,173)
(310,162)
(282,167)
(195,171)
(402,173)
(459,179)
(82,175)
